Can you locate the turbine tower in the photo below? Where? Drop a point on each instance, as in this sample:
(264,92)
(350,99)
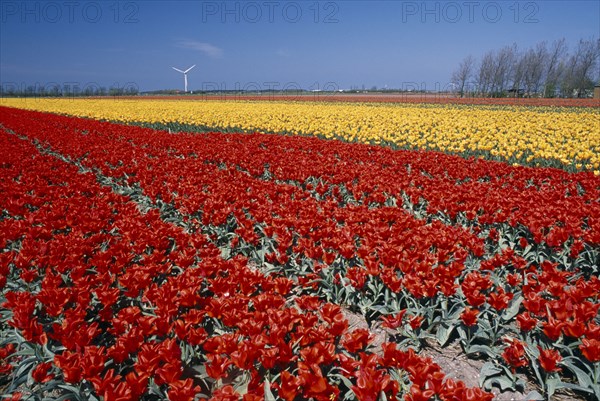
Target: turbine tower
(184,76)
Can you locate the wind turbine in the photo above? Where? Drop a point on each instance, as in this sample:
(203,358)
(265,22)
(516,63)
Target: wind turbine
(184,76)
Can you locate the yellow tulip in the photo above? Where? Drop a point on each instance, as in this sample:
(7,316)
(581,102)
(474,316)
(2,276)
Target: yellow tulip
(570,136)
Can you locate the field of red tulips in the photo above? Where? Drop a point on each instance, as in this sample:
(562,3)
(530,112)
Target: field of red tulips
(136,264)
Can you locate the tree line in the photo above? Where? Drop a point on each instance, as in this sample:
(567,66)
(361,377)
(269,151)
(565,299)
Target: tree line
(66,90)
(543,70)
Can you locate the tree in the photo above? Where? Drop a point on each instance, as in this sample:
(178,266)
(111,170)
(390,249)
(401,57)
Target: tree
(554,66)
(533,65)
(30,91)
(539,70)
(461,76)
(485,75)
(54,90)
(581,68)
(496,71)
(503,67)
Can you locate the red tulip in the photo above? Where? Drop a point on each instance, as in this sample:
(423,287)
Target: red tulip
(289,387)
(548,359)
(590,348)
(469,317)
(514,354)
(40,372)
(182,390)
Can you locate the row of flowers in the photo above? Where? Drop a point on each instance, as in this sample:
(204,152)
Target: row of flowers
(561,137)
(104,299)
(324,215)
(393,98)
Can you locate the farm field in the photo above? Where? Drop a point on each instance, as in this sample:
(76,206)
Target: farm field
(567,138)
(143,263)
(387,98)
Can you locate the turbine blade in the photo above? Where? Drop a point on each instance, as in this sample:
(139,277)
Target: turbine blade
(177,69)
(190,68)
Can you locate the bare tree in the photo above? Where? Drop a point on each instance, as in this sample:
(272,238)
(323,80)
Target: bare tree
(540,70)
(533,64)
(581,66)
(554,66)
(485,75)
(503,69)
(519,73)
(461,76)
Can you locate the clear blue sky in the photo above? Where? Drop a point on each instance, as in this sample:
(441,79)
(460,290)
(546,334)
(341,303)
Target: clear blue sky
(271,43)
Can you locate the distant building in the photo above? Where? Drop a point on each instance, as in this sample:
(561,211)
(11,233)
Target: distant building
(597,91)
(515,92)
